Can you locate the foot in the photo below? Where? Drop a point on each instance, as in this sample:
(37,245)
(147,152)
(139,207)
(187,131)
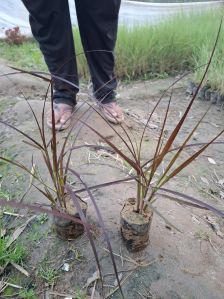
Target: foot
(112,112)
(62,115)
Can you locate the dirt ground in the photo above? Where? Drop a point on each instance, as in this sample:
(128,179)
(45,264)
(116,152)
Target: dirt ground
(175,265)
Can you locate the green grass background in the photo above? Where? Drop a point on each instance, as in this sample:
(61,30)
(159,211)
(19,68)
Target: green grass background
(180,43)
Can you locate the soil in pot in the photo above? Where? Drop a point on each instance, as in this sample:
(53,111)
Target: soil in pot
(68,229)
(135,226)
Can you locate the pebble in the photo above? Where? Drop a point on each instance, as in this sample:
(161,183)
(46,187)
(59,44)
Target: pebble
(206,94)
(220,100)
(190,87)
(213,97)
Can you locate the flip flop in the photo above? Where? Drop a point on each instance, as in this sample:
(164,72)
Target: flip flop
(112,112)
(62,114)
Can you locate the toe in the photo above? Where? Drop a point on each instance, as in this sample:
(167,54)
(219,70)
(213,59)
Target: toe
(62,114)
(117,111)
(56,116)
(65,117)
(113,112)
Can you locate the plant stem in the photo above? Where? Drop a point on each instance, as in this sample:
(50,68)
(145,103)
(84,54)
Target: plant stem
(139,192)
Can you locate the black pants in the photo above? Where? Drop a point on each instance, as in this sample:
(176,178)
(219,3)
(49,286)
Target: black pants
(51,26)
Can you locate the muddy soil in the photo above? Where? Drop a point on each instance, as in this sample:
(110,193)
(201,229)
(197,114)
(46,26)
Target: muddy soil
(175,265)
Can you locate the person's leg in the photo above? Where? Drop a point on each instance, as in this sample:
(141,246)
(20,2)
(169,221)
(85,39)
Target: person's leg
(51,26)
(98,21)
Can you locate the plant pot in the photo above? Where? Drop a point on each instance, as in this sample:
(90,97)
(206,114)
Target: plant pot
(68,229)
(135,226)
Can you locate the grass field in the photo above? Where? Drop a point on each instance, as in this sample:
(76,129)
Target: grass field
(180,43)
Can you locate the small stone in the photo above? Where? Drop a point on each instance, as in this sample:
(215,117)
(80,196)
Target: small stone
(190,88)
(220,99)
(65,267)
(194,91)
(213,97)
(201,94)
(207,95)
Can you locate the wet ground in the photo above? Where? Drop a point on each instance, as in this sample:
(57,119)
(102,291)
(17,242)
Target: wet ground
(182,265)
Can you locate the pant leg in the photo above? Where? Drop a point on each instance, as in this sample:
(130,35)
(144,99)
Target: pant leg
(98,21)
(51,26)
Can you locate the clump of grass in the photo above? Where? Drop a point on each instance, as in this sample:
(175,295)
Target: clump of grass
(26,55)
(42,218)
(80,295)
(34,237)
(48,275)
(14,253)
(215,78)
(4,193)
(171,46)
(27,294)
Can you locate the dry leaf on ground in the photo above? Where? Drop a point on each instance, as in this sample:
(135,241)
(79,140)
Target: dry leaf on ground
(19,231)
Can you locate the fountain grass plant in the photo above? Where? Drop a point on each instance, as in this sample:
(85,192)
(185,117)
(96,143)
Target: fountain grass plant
(67,208)
(137,212)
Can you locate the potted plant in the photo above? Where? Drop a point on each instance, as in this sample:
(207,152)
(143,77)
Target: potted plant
(68,209)
(137,212)
(56,159)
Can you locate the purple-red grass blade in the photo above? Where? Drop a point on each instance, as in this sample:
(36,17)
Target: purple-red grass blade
(86,225)
(163,94)
(35,117)
(153,168)
(93,146)
(186,146)
(30,144)
(194,200)
(165,219)
(111,183)
(101,224)
(21,132)
(26,99)
(21,166)
(116,149)
(130,149)
(42,118)
(192,158)
(180,123)
(40,75)
(35,74)
(44,193)
(181,201)
(15,204)
(177,154)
